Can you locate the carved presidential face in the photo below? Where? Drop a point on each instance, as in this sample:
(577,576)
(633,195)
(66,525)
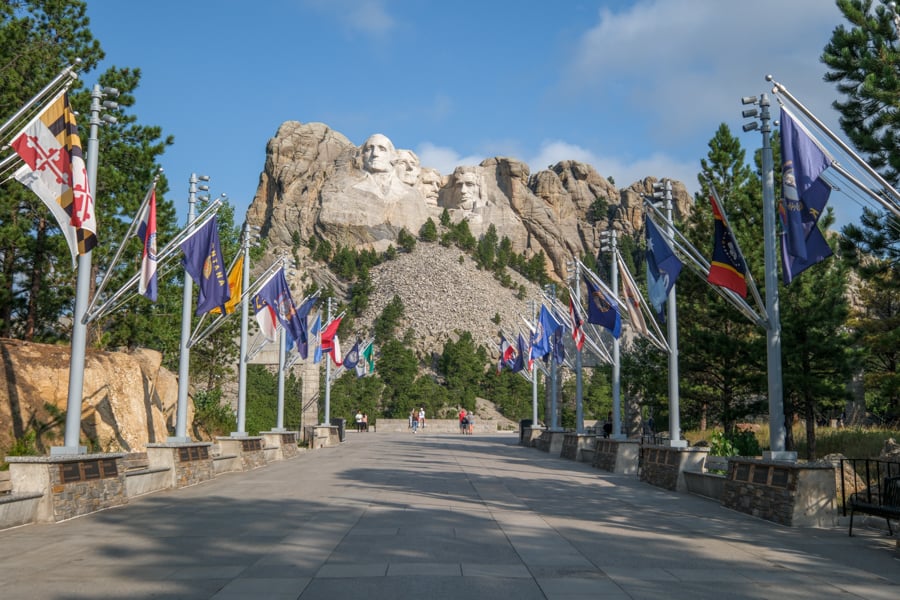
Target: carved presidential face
(378,154)
(407,166)
(467,188)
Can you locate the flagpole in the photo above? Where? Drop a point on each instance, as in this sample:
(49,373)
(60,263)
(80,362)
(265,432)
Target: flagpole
(616,361)
(282,347)
(82,291)
(675,440)
(328,373)
(245,317)
(534,380)
(184,358)
(773,331)
(579,382)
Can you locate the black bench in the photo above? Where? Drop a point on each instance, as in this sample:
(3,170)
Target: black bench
(880,501)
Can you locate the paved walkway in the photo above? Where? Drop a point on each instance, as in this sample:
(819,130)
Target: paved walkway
(392,516)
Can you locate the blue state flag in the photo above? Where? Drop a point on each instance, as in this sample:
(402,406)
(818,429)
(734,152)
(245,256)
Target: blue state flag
(521,355)
(302,314)
(352,357)
(603,309)
(541,342)
(277,295)
(559,346)
(203,262)
(663,268)
(803,199)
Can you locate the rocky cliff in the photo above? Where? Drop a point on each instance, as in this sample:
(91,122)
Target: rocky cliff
(129,397)
(317,183)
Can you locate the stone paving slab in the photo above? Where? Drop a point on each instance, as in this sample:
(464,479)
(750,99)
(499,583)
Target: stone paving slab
(395,516)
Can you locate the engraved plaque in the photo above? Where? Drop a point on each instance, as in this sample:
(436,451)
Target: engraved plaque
(90,470)
(108,468)
(742,472)
(780,477)
(69,472)
(761,475)
(184,454)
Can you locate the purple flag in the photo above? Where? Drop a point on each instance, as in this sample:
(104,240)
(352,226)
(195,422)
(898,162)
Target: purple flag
(203,262)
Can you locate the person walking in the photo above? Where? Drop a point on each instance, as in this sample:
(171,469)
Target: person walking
(359,421)
(463,421)
(422,417)
(414,420)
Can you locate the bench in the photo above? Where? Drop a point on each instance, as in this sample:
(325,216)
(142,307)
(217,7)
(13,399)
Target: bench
(881,500)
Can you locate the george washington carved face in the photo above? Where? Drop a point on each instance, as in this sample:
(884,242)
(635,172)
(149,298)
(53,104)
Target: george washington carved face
(378,154)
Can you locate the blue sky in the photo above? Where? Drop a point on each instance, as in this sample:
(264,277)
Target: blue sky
(634,88)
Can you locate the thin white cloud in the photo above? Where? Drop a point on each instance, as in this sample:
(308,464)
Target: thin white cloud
(442,158)
(369,17)
(685,64)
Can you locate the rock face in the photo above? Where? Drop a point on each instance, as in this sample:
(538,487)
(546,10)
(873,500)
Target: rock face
(129,397)
(317,183)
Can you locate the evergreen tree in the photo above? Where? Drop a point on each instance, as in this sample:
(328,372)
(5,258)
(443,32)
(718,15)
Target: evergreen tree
(462,364)
(724,369)
(864,62)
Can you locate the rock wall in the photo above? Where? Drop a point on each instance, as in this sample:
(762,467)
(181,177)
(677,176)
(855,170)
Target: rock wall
(129,398)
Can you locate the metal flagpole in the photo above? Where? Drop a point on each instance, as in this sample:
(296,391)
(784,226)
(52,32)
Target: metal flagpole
(328,372)
(245,318)
(82,291)
(282,347)
(579,382)
(773,331)
(675,440)
(616,360)
(534,379)
(184,358)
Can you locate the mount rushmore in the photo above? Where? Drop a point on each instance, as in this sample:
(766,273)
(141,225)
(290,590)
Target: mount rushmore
(317,183)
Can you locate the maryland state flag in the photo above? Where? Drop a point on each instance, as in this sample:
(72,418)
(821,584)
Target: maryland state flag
(727,268)
(54,169)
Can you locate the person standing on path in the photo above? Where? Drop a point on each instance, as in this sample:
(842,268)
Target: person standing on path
(359,421)
(422,417)
(414,420)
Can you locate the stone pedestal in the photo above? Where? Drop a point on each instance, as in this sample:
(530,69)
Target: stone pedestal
(250,450)
(664,466)
(188,463)
(789,493)
(71,485)
(530,435)
(617,456)
(284,443)
(551,441)
(578,447)
(325,436)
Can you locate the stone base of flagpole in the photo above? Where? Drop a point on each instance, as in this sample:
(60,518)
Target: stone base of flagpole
(782,455)
(67,450)
(678,443)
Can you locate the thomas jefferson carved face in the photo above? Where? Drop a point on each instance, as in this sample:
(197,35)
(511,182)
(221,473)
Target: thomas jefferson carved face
(407,166)
(378,153)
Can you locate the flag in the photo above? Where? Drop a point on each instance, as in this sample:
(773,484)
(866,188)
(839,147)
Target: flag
(147,233)
(541,343)
(277,295)
(603,309)
(804,196)
(576,323)
(235,287)
(315,331)
(727,268)
(335,351)
(352,357)
(663,268)
(369,358)
(519,362)
(265,318)
(54,169)
(507,355)
(328,334)
(632,299)
(559,346)
(203,262)
(303,317)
